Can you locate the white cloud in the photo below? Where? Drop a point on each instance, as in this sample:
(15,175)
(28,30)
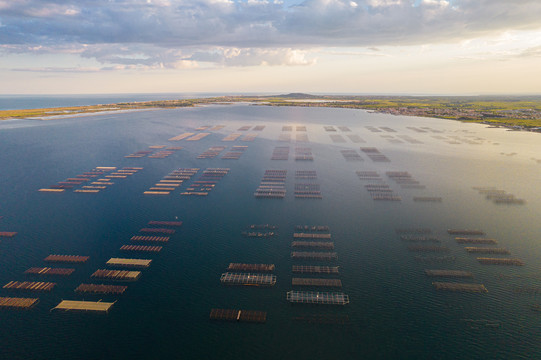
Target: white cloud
(253,57)
(378,3)
(167,32)
(373,53)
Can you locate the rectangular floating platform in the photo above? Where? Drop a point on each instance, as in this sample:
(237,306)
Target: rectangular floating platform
(449,273)
(379,197)
(316,282)
(306,269)
(420,239)
(150,238)
(93,306)
(311,297)
(238,315)
(156,192)
(141,248)
(356,139)
(314,255)
(312,228)
(167,184)
(486,250)
(232,137)
(123,275)
(196,193)
(460,287)
(8,234)
(49,271)
(257,234)
(17,303)
(135,263)
(70,183)
(181,136)
(101,289)
(309,196)
(51,190)
(158,230)
(313,244)
(251,267)
(248,279)
(311,236)
(67,258)
(466,240)
(165,223)
(465,232)
(262,226)
(198,137)
(500,261)
(30,285)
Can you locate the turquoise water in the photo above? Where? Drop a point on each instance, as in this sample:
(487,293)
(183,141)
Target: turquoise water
(394,311)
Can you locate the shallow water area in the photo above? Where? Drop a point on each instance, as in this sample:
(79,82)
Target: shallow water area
(394,310)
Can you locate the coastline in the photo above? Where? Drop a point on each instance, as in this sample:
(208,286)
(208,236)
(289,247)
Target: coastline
(513,114)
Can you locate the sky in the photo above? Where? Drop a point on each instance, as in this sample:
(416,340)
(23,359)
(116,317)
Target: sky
(418,47)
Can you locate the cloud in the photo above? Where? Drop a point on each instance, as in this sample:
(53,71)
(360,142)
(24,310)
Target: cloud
(253,57)
(372,53)
(58,70)
(531,52)
(173,33)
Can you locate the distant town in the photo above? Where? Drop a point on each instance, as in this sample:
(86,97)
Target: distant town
(519,113)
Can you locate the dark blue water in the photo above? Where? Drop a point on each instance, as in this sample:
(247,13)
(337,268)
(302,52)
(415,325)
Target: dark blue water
(394,310)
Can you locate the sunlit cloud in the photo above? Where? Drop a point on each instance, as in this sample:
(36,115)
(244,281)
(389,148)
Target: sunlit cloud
(253,57)
(174,26)
(317,43)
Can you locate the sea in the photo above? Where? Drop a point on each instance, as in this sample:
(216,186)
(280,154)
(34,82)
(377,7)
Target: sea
(442,174)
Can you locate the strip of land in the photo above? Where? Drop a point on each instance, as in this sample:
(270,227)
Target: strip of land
(520,113)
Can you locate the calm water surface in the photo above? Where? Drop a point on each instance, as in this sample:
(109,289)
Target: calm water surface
(394,311)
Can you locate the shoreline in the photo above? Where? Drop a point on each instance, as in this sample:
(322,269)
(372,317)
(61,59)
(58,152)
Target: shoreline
(510,113)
